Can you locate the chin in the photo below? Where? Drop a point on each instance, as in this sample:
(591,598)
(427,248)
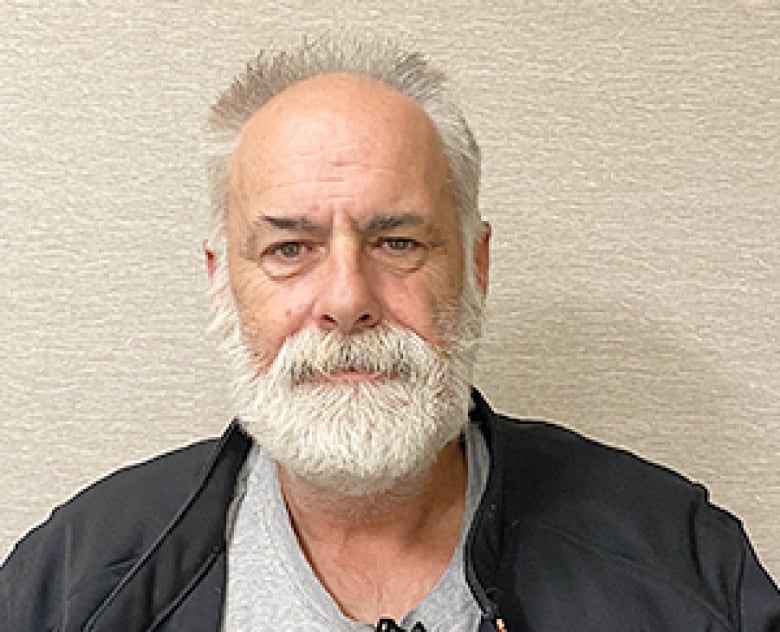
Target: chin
(358,438)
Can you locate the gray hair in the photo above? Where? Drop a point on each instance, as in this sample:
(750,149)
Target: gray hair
(407,72)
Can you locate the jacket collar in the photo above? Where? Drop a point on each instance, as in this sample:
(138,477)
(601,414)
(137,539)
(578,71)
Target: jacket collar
(483,544)
(184,552)
(195,540)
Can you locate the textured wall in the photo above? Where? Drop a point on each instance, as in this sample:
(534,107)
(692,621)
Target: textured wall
(631,174)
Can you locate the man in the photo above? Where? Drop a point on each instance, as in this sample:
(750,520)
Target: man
(348,265)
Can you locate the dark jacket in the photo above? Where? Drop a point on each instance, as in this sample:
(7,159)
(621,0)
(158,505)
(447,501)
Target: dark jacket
(570,535)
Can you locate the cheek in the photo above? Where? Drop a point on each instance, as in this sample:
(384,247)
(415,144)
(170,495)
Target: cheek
(270,313)
(420,302)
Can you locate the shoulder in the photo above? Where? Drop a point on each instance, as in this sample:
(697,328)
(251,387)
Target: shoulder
(571,464)
(609,496)
(539,462)
(140,497)
(73,560)
(585,514)
(149,490)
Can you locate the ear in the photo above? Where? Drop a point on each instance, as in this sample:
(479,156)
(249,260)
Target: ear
(482,258)
(211,260)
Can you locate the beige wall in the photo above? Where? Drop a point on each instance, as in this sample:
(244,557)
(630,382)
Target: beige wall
(631,175)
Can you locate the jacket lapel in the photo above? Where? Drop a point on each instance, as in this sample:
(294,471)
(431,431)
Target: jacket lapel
(188,553)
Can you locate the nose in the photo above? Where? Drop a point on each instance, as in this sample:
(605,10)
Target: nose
(346,301)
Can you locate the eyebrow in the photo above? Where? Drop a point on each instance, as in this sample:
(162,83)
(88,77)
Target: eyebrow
(386,221)
(300,224)
(382,221)
(262,222)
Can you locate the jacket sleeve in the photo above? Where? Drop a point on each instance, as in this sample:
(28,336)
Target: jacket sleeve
(759,597)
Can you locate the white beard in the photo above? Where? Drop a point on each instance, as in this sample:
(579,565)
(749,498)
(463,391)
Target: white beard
(356,438)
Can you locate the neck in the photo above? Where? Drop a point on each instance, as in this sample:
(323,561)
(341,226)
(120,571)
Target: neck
(314,506)
(413,531)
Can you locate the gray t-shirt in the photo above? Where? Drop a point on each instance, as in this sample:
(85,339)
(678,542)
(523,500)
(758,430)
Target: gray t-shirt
(271,584)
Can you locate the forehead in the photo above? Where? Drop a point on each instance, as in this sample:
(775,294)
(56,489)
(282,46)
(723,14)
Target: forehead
(338,127)
(353,100)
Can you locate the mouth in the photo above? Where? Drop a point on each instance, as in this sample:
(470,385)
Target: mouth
(347,376)
(348,373)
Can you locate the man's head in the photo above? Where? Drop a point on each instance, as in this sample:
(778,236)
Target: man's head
(350,263)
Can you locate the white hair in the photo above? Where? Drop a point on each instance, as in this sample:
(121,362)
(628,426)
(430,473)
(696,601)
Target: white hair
(407,72)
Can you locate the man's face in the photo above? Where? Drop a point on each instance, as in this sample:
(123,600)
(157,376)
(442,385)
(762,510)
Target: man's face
(340,218)
(348,323)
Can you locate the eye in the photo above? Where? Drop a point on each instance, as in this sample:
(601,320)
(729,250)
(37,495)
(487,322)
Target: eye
(288,258)
(288,249)
(403,254)
(398,245)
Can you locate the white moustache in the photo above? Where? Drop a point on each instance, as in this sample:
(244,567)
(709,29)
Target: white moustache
(383,351)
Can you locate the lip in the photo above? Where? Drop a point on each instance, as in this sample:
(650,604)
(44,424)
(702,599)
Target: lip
(348,376)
